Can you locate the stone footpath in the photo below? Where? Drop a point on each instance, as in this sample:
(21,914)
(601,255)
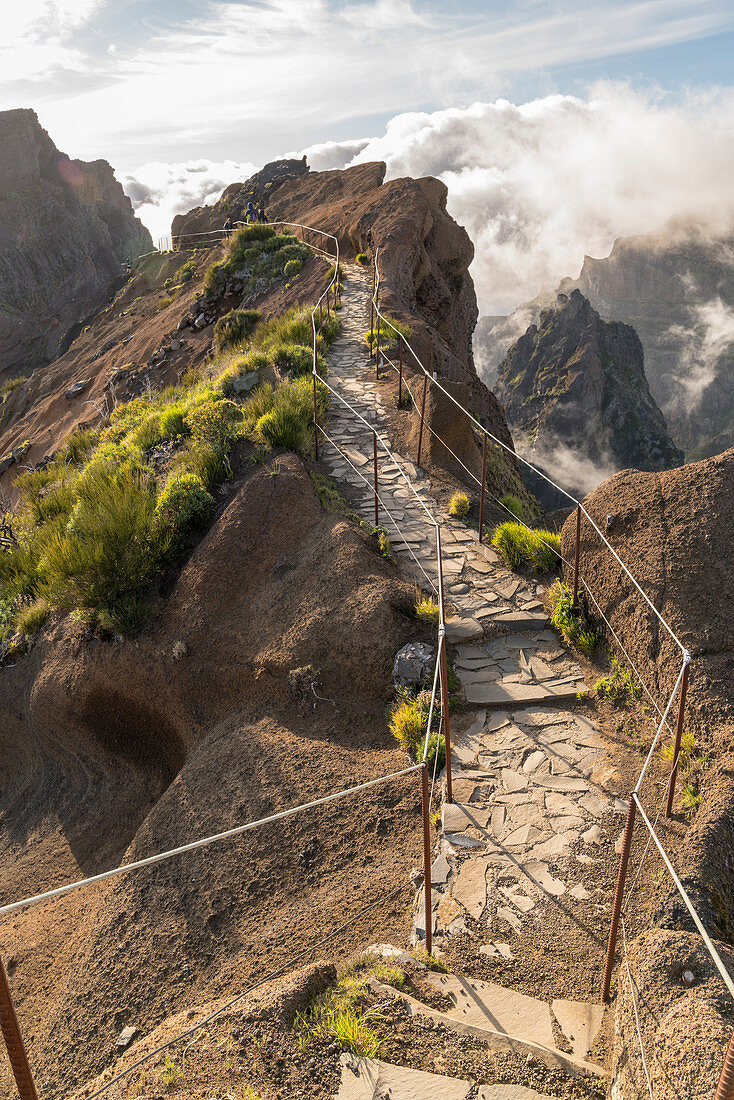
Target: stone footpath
(529,777)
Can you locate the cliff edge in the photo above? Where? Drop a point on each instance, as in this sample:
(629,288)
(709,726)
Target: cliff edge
(65,228)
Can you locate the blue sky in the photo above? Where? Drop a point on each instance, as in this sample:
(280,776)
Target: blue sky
(557,126)
(245,79)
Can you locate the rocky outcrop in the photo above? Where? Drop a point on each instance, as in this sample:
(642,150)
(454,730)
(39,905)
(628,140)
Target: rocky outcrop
(232,203)
(65,228)
(577,381)
(674,531)
(424,259)
(676,287)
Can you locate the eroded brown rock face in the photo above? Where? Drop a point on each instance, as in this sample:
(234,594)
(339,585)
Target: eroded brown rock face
(424,258)
(674,531)
(65,228)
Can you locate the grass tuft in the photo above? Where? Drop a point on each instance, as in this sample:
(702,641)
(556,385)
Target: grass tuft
(459,506)
(517,546)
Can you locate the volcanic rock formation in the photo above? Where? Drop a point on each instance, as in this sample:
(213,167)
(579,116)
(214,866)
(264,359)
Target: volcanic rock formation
(65,229)
(578,381)
(676,287)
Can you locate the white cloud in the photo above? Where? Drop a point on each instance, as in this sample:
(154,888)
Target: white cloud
(703,343)
(37,37)
(541,184)
(158,191)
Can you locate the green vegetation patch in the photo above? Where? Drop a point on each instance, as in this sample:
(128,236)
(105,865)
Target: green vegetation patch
(571,622)
(234,327)
(389,333)
(517,546)
(343,1015)
(619,686)
(112,511)
(255,252)
(408,724)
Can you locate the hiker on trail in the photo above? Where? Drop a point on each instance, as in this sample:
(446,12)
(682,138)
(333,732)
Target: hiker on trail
(261,215)
(228,227)
(250,214)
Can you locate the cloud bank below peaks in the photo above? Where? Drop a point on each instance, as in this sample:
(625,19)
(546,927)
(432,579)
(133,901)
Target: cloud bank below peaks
(541,184)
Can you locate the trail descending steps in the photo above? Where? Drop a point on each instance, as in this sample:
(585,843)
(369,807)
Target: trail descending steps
(369,1079)
(532,813)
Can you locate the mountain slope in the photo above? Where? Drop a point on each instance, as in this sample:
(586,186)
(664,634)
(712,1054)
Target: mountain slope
(65,228)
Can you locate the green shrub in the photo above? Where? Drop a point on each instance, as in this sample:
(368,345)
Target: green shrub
(363,259)
(619,686)
(427,610)
(234,327)
(163,303)
(283,427)
(459,506)
(521,509)
(185,272)
(298,360)
(388,333)
(335,272)
(172,422)
(215,421)
(572,624)
(292,267)
(109,546)
(184,503)
(244,237)
(30,620)
(518,546)
(214,277)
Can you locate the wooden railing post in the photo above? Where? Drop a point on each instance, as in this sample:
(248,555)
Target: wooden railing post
(618,896)
(427,906)
(423,414)
(374,453)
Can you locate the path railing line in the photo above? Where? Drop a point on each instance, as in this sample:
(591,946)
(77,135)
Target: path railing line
(294,961)
(682,679)
(203,842)
(433,380)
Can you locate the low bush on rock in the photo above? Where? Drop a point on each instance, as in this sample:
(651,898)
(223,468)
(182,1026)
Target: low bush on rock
(571,623)
(234,327)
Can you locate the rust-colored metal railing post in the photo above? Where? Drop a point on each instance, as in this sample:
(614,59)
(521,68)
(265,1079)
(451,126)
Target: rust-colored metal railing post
(484,485)
(618,896)
(400,371)
(575,603)
(725,1088)
(14,1040)
(423,413)
(372,326)
(377,503)
(444,672)
(376,362)
(678,736)
(315,403)
(327,302)
(427,906)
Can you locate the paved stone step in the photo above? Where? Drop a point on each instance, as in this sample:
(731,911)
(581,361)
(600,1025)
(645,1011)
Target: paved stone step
(492,1012)
(370,1079)
(514,694)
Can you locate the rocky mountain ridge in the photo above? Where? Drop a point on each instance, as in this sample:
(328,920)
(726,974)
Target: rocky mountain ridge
(676,288)
(65,229)
(578,381)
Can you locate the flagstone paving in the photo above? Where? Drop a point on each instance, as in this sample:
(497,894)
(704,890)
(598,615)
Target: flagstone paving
(529,775)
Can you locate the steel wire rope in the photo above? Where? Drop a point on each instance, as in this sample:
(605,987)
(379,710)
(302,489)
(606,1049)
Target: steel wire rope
(159,857)
(240,996)
(384,446)
(719,964)
(530,465)
(380,500)
(634,1006)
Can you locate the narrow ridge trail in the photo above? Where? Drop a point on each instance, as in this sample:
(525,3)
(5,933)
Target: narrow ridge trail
(525,864)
